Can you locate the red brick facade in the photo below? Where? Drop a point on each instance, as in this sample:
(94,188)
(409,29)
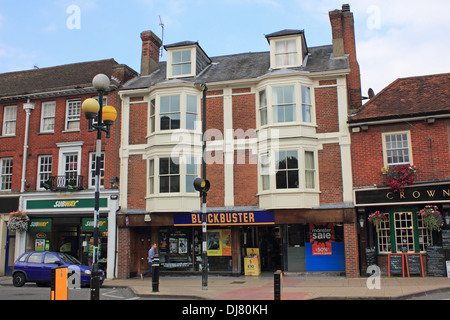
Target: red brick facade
(416,108)
(233,106)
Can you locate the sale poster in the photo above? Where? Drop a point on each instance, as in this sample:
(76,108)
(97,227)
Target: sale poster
(321,238)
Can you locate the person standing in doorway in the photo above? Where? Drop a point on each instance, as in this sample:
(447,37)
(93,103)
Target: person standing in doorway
(151,254)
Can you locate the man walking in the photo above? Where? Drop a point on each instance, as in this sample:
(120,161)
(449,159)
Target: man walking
(151,254)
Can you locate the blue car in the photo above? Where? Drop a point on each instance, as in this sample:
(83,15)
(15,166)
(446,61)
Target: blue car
(36,266)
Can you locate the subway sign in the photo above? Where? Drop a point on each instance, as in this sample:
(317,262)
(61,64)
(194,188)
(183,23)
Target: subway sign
(61,204)
(241,218)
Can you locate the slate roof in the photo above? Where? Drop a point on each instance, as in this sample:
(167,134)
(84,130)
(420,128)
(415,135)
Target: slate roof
(71,76)
(245,66)
(408,97)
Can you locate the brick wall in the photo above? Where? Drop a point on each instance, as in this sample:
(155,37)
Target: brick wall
(330,174)
(124,253)
(245,179)
(351,250)
(138,123)
(137,182)
(327,110)
(429,156)
(46,143)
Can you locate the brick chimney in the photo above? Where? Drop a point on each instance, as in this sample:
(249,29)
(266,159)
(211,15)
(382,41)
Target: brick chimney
(343,31)
(151,45)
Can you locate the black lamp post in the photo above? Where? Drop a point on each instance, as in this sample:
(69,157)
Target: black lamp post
(99,118)
(202,185)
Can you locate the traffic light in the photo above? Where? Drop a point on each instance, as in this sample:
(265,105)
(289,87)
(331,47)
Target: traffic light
(201,185)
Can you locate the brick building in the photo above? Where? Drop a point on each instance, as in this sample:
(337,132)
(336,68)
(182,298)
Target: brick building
(405,125)
(47,160)
(278,155)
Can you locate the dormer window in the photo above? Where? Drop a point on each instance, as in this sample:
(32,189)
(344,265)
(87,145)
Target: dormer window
(287,49)
(185,59)
(286,52)
(181,63)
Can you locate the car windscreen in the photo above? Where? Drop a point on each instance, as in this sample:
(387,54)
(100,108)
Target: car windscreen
(68,258)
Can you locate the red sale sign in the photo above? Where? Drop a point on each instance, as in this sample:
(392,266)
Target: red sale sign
(321,238)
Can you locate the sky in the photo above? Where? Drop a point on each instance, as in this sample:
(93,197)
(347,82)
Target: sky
(395,38)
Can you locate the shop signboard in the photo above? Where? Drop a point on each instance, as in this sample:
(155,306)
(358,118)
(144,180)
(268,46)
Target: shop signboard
(40,225)
(242,218)
(428,193)
(60,204)
(88,224)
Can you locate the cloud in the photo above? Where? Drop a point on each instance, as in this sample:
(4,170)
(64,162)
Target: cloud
(408,41)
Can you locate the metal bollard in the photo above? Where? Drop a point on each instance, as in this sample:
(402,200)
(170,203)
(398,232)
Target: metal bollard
(155,274)
(278,285)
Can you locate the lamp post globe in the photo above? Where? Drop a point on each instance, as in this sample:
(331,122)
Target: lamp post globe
(109,114)
(101,82)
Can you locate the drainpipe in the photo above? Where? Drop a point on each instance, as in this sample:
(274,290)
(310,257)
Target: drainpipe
(21,237)
(27,107)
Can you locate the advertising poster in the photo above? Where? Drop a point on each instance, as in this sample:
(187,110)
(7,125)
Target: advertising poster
(321,238)
(214,244)
(226,243)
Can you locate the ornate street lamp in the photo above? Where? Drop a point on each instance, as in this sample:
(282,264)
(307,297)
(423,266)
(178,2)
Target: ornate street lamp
(99,118)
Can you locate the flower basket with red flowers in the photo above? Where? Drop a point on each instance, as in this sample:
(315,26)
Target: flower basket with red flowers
(399,176)
(432,218)
(377,218)
(18,221)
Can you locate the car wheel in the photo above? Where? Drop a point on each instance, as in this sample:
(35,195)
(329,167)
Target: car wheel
(19,279)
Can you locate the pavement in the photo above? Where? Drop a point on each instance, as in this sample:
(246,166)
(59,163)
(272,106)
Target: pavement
(294,287)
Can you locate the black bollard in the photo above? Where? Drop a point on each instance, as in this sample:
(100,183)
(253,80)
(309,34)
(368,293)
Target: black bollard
(278,285)
(155,274)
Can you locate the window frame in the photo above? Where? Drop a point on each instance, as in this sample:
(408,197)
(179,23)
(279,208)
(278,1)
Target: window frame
(45,175)
(45,117)
(170,111)
(390,232)
(284,104)
(288,170)
(171,62)
(170,175)
(386,150)
(73,118)
(6,177)
(298,53)
(9,119)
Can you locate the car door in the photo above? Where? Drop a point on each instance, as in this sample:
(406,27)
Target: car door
(51,261)
(33,266)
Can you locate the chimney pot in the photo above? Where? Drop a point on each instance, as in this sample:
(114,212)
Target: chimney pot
(345,8)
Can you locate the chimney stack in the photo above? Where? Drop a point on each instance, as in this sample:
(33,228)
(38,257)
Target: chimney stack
(343,31)
(151,44)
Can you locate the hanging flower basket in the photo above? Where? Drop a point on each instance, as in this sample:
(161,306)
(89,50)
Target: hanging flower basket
(18,221)
(377,218)
(432,218)
(399,176)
